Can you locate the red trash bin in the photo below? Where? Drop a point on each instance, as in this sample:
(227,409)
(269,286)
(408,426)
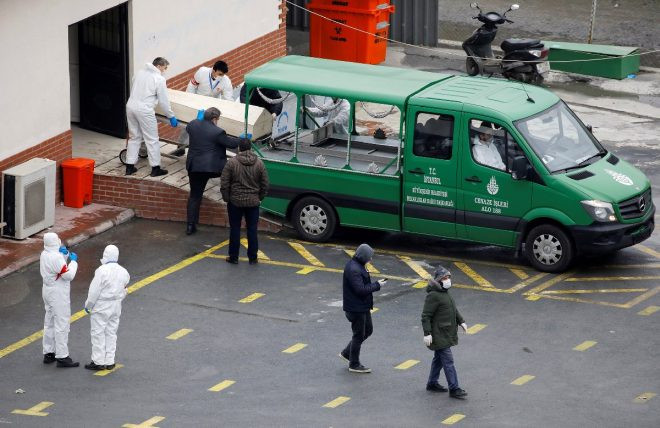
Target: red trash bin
(77,177)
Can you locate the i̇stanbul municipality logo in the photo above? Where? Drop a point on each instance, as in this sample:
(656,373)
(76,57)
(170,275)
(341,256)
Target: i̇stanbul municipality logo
(492,186)
(620,178)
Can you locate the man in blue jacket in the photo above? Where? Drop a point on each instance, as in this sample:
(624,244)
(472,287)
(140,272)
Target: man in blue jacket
(358,302)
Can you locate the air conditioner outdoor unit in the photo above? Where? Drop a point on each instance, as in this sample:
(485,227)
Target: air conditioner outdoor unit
(28,198)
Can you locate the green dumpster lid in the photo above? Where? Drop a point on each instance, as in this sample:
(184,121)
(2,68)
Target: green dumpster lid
(596,49)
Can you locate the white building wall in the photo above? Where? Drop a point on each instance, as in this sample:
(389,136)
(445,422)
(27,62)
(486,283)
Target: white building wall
(34,67)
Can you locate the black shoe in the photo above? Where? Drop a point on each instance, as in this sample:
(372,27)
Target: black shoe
(93,366)
(179,152)
(344,356)
(254,261)
(110,367)
(435,387)
(457,393)
(232,261)
(67,362)
(191,228)
(130,169)
(157,171)
(49,358)
(359,368)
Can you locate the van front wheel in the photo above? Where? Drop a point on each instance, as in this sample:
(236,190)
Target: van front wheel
(314,219)
(549,249)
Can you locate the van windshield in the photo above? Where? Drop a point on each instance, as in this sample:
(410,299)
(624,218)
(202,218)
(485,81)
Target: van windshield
(560,139)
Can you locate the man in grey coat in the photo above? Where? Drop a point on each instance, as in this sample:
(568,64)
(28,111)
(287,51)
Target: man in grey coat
(440,321)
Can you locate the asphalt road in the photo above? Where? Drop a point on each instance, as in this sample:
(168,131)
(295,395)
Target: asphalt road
(520,365)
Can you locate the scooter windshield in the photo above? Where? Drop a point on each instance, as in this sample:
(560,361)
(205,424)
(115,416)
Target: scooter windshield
(560,139)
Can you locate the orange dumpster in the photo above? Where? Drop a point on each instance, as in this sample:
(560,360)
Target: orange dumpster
(77,178)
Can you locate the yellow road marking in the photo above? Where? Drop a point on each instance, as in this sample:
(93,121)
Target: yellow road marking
(305,271)
(294,348)
(612,278)
(650,310)
(633,266)
(420,284)
(453,419)
(577,300)
(642,297)
(133,288)
(370,266)
(647,250)
(547,284)
(222,385)
(585,345)
(107,372)
(641,398)
(305,254)
(260,254)
(476,328)
(415,267)
(472,274)
(613,290)
(406,364)
(34,410)
(520,273)
(149,423)
(522,380)
(374,310)
(336,402)
(179,334)
(251,298)
(525,283)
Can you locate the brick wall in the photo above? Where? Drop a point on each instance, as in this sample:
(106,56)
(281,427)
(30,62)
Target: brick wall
(157,200)
(57,148)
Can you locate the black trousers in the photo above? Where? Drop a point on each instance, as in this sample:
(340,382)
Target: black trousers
(198,182)
(362,328)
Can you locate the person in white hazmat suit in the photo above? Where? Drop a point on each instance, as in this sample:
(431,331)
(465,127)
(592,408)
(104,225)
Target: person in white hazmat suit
(338,114)
(106,291)
(148,89)
(212,82)
(56,292)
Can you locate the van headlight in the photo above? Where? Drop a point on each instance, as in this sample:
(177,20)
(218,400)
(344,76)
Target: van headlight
(599,210)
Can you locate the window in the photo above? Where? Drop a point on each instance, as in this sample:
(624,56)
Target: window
(492,146)
(434,135)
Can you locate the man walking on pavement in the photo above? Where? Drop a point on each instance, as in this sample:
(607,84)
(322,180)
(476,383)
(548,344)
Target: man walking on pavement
(243,184)
(56,292)
(107,290)
(440,321)
(148,89)
(358,303)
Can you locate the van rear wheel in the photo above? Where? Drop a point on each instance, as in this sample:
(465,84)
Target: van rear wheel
(314,219)
(549,249)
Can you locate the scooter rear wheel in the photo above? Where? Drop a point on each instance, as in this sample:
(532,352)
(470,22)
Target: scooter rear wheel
(471,66)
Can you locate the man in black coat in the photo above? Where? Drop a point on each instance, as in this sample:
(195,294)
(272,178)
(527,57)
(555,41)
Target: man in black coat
(358,302)
(257,100)
(206,158)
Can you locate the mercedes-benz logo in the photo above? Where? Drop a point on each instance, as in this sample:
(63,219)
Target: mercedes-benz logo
(641,204)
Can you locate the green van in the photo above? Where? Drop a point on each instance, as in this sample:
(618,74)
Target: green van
(471,158)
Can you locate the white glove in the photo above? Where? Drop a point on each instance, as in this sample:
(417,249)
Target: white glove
(464,327)
(428,340)
(382,282)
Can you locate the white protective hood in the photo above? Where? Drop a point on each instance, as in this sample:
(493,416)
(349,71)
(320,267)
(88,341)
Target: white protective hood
(110,254)
(52,242)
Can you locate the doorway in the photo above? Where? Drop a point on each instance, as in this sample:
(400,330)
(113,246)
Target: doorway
(98,49)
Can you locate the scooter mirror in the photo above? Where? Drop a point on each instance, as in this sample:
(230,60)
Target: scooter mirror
(515,6)
(474,5)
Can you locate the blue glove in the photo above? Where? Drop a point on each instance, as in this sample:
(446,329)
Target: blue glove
(63,250)
(174,122)
(86,310)
(73,257)
(246,136)
(200,114)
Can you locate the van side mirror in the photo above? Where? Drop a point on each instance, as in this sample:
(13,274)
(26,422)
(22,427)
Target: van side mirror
(520,168)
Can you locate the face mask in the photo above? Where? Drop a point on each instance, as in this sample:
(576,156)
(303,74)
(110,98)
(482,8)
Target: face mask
(446,284)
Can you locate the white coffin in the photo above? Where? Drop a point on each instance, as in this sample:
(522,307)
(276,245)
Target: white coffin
(232,119)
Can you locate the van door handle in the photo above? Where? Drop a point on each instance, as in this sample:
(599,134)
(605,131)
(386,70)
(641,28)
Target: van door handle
(416,171)
(473,179)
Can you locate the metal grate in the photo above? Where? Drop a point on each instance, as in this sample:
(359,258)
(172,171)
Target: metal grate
(35,203)
(581,175)
(637,206)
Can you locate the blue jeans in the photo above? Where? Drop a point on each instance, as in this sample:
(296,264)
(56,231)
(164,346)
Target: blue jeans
(443,359)
(235,215)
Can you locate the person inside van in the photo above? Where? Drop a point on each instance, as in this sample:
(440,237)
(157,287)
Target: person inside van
(484,149)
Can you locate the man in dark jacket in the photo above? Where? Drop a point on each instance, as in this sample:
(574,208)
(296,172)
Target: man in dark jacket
(274,108)
(358,302)
(440,321)
(206,159)
(243,184)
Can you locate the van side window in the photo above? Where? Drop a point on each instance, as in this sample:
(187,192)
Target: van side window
(434,135)
(492,146)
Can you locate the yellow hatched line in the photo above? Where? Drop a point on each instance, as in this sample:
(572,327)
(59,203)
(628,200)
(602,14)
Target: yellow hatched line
(641,398)
(525,283)
(260,254)
(294,348)
(133,288)
(642,297)
(419,270)
(533,293)
(149,423)
(602,291)
(336,402)
(407,364)
(649,311)
(577,300)
(456,417)
(222,385)
(612,278)
(522,380)
(370,266)
(251,298)
(476,328)
(637,266)
(647,250)
(305,254)
(472,274)
(374,310)
(585,345)
(34,410)
(519,273)
(107,372)
(179,334)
